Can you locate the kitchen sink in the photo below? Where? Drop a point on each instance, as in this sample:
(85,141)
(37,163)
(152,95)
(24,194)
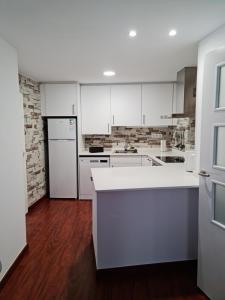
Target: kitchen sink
(126,151)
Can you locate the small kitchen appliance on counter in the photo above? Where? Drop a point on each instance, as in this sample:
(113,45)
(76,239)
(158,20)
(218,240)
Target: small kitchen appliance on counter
(190,161)
(163,147)
(96,149)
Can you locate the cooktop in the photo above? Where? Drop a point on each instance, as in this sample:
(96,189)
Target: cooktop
(171,159)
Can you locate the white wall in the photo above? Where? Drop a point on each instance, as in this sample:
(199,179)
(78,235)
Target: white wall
(213,41)
(12,202)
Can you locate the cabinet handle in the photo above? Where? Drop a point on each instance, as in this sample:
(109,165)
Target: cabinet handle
(166,117)
(113,119)
(143,119)
(73,109)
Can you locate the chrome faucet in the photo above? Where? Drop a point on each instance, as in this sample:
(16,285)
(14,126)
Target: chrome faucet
(126,145)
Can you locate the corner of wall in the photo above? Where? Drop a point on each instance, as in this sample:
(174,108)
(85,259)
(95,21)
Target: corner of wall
(34,139)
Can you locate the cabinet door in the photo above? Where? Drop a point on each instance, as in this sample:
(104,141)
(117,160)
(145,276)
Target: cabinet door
(126,105)
(157,104)
(59,99)
(95,109)
(85,184)
(125,161)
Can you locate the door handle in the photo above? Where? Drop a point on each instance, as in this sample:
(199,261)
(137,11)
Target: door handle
(204,173)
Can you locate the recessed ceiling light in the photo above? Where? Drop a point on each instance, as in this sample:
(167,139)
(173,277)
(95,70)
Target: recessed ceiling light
(132,33)
(109,73)
(172,32)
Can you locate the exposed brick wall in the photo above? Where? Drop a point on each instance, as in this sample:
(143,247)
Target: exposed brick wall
(34,140)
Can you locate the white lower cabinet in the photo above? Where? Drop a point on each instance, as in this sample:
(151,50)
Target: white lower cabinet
(85,178)
(125,161)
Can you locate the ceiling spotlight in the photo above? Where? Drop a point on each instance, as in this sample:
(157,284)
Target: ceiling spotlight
(109,73)
(132,33)
(172,32)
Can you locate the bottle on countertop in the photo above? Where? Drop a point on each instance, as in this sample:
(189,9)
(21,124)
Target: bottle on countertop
(163,147)
(190,161)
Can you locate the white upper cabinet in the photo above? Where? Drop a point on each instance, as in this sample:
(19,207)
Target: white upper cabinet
(59,99)
(157,104)
(126,105)
(95,109)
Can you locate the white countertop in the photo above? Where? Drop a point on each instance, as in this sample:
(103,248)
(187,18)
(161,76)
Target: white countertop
(141,151)
(150,152)
(138,178)
(87,153)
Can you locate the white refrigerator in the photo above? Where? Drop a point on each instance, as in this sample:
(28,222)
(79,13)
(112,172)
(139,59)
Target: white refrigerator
(62,153)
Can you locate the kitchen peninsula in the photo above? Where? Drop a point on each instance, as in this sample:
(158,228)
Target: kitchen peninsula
(144,215)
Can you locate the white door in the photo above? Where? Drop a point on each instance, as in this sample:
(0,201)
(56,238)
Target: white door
(157,104)
(62,168)
(95,109)
(126,105)
(85,187)
(59,99)
(211,259)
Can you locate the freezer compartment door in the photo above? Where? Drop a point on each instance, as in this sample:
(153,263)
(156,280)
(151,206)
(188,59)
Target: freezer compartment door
(63,169)
(62,129)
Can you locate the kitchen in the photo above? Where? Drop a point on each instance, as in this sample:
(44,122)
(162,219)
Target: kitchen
(121,152)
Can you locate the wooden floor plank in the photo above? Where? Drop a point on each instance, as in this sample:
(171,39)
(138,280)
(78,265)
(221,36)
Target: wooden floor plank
(59,264)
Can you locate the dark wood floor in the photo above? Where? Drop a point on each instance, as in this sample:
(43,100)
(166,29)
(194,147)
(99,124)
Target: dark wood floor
(59,264)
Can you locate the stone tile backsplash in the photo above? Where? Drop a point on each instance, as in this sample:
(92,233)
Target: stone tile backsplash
(136,136)
(141,137)
(34,140)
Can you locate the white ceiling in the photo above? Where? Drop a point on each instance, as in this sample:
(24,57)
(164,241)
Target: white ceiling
(61,40)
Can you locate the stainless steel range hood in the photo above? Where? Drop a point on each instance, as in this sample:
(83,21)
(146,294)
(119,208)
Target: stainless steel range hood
(185,93)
